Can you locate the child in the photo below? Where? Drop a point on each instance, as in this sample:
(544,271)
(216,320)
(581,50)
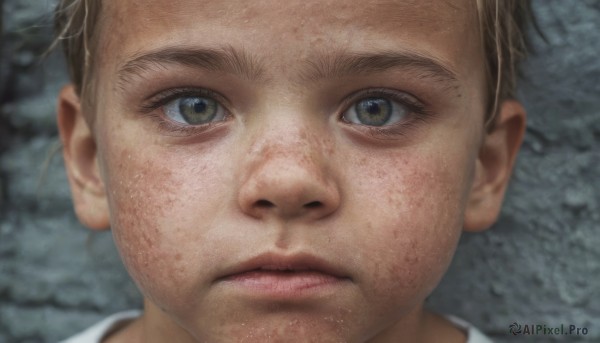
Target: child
(295,171)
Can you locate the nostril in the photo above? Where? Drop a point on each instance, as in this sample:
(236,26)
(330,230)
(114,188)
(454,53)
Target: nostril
(264,203)
(313,204)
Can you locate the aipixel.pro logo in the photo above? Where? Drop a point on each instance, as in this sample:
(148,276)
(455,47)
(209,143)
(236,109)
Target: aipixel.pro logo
(543,329)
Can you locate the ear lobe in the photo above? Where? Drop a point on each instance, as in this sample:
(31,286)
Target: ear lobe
(80,155)
(494,167)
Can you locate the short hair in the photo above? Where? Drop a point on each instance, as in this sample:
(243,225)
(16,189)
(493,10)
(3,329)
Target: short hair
(501,24)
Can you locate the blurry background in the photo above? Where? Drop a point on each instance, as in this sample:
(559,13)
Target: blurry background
(539,265)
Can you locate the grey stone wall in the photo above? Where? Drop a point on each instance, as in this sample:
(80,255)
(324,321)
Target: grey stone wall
(539,265)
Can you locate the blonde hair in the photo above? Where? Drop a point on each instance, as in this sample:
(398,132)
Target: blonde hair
(502,28)
(501,25)
(75,23)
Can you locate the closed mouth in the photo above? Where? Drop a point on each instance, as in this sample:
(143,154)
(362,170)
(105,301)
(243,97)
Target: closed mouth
(285,277)
(286,264)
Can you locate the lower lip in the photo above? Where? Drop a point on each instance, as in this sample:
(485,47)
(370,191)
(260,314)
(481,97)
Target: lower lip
(284,284)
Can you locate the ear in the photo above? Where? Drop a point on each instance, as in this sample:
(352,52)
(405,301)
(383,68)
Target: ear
(494,166)
(80,155)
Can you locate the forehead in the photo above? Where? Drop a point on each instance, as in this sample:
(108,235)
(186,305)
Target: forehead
(366,13)
(292,27)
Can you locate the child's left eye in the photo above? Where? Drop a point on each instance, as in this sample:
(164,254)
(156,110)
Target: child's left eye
(382,107)
(375,111)
(194,110)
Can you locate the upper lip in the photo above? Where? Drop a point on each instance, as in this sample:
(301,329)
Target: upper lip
(280,262)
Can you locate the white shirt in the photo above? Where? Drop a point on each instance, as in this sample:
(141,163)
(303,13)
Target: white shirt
(96,333)
(473,334)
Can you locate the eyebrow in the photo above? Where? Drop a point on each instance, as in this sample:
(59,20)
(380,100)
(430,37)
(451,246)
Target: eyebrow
(226,59)
(330,66)
(323,66)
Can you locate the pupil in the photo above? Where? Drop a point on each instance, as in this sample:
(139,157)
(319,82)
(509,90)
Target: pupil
(373,107)
(199,106)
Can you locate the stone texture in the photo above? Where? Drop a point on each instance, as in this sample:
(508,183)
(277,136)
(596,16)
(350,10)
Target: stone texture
(540,264)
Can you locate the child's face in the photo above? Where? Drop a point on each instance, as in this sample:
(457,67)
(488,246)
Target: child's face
(336,136)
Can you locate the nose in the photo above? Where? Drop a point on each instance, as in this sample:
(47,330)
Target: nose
(288,178)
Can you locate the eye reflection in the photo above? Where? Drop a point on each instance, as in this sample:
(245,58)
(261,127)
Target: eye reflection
(376,111)
(194,110)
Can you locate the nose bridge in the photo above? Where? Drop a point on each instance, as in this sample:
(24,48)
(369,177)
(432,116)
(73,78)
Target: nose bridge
(293,146)
(287,154)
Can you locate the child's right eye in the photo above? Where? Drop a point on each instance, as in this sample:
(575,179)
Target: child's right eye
(194,110)
(186,108)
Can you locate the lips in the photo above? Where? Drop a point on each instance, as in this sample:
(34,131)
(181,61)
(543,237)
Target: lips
(287,263)
(279,275)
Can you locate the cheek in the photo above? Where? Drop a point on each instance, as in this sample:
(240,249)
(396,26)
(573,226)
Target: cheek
(412,205)
(151,219)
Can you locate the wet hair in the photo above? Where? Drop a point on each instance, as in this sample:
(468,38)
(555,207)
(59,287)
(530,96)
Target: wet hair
(501,25)
(75,26)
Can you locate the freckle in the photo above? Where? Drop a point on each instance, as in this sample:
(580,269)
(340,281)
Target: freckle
(411,259)
(178,257)
(303,134)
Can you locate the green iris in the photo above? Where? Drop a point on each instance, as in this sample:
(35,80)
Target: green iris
(198,110)
(373,111)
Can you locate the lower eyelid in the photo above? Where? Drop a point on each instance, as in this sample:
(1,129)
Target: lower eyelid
(387,133)
(172,128)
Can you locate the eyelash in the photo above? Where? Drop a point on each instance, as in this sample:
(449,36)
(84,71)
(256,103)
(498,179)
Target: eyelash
(418,112)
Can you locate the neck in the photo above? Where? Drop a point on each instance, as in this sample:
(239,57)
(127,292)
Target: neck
(159,327)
